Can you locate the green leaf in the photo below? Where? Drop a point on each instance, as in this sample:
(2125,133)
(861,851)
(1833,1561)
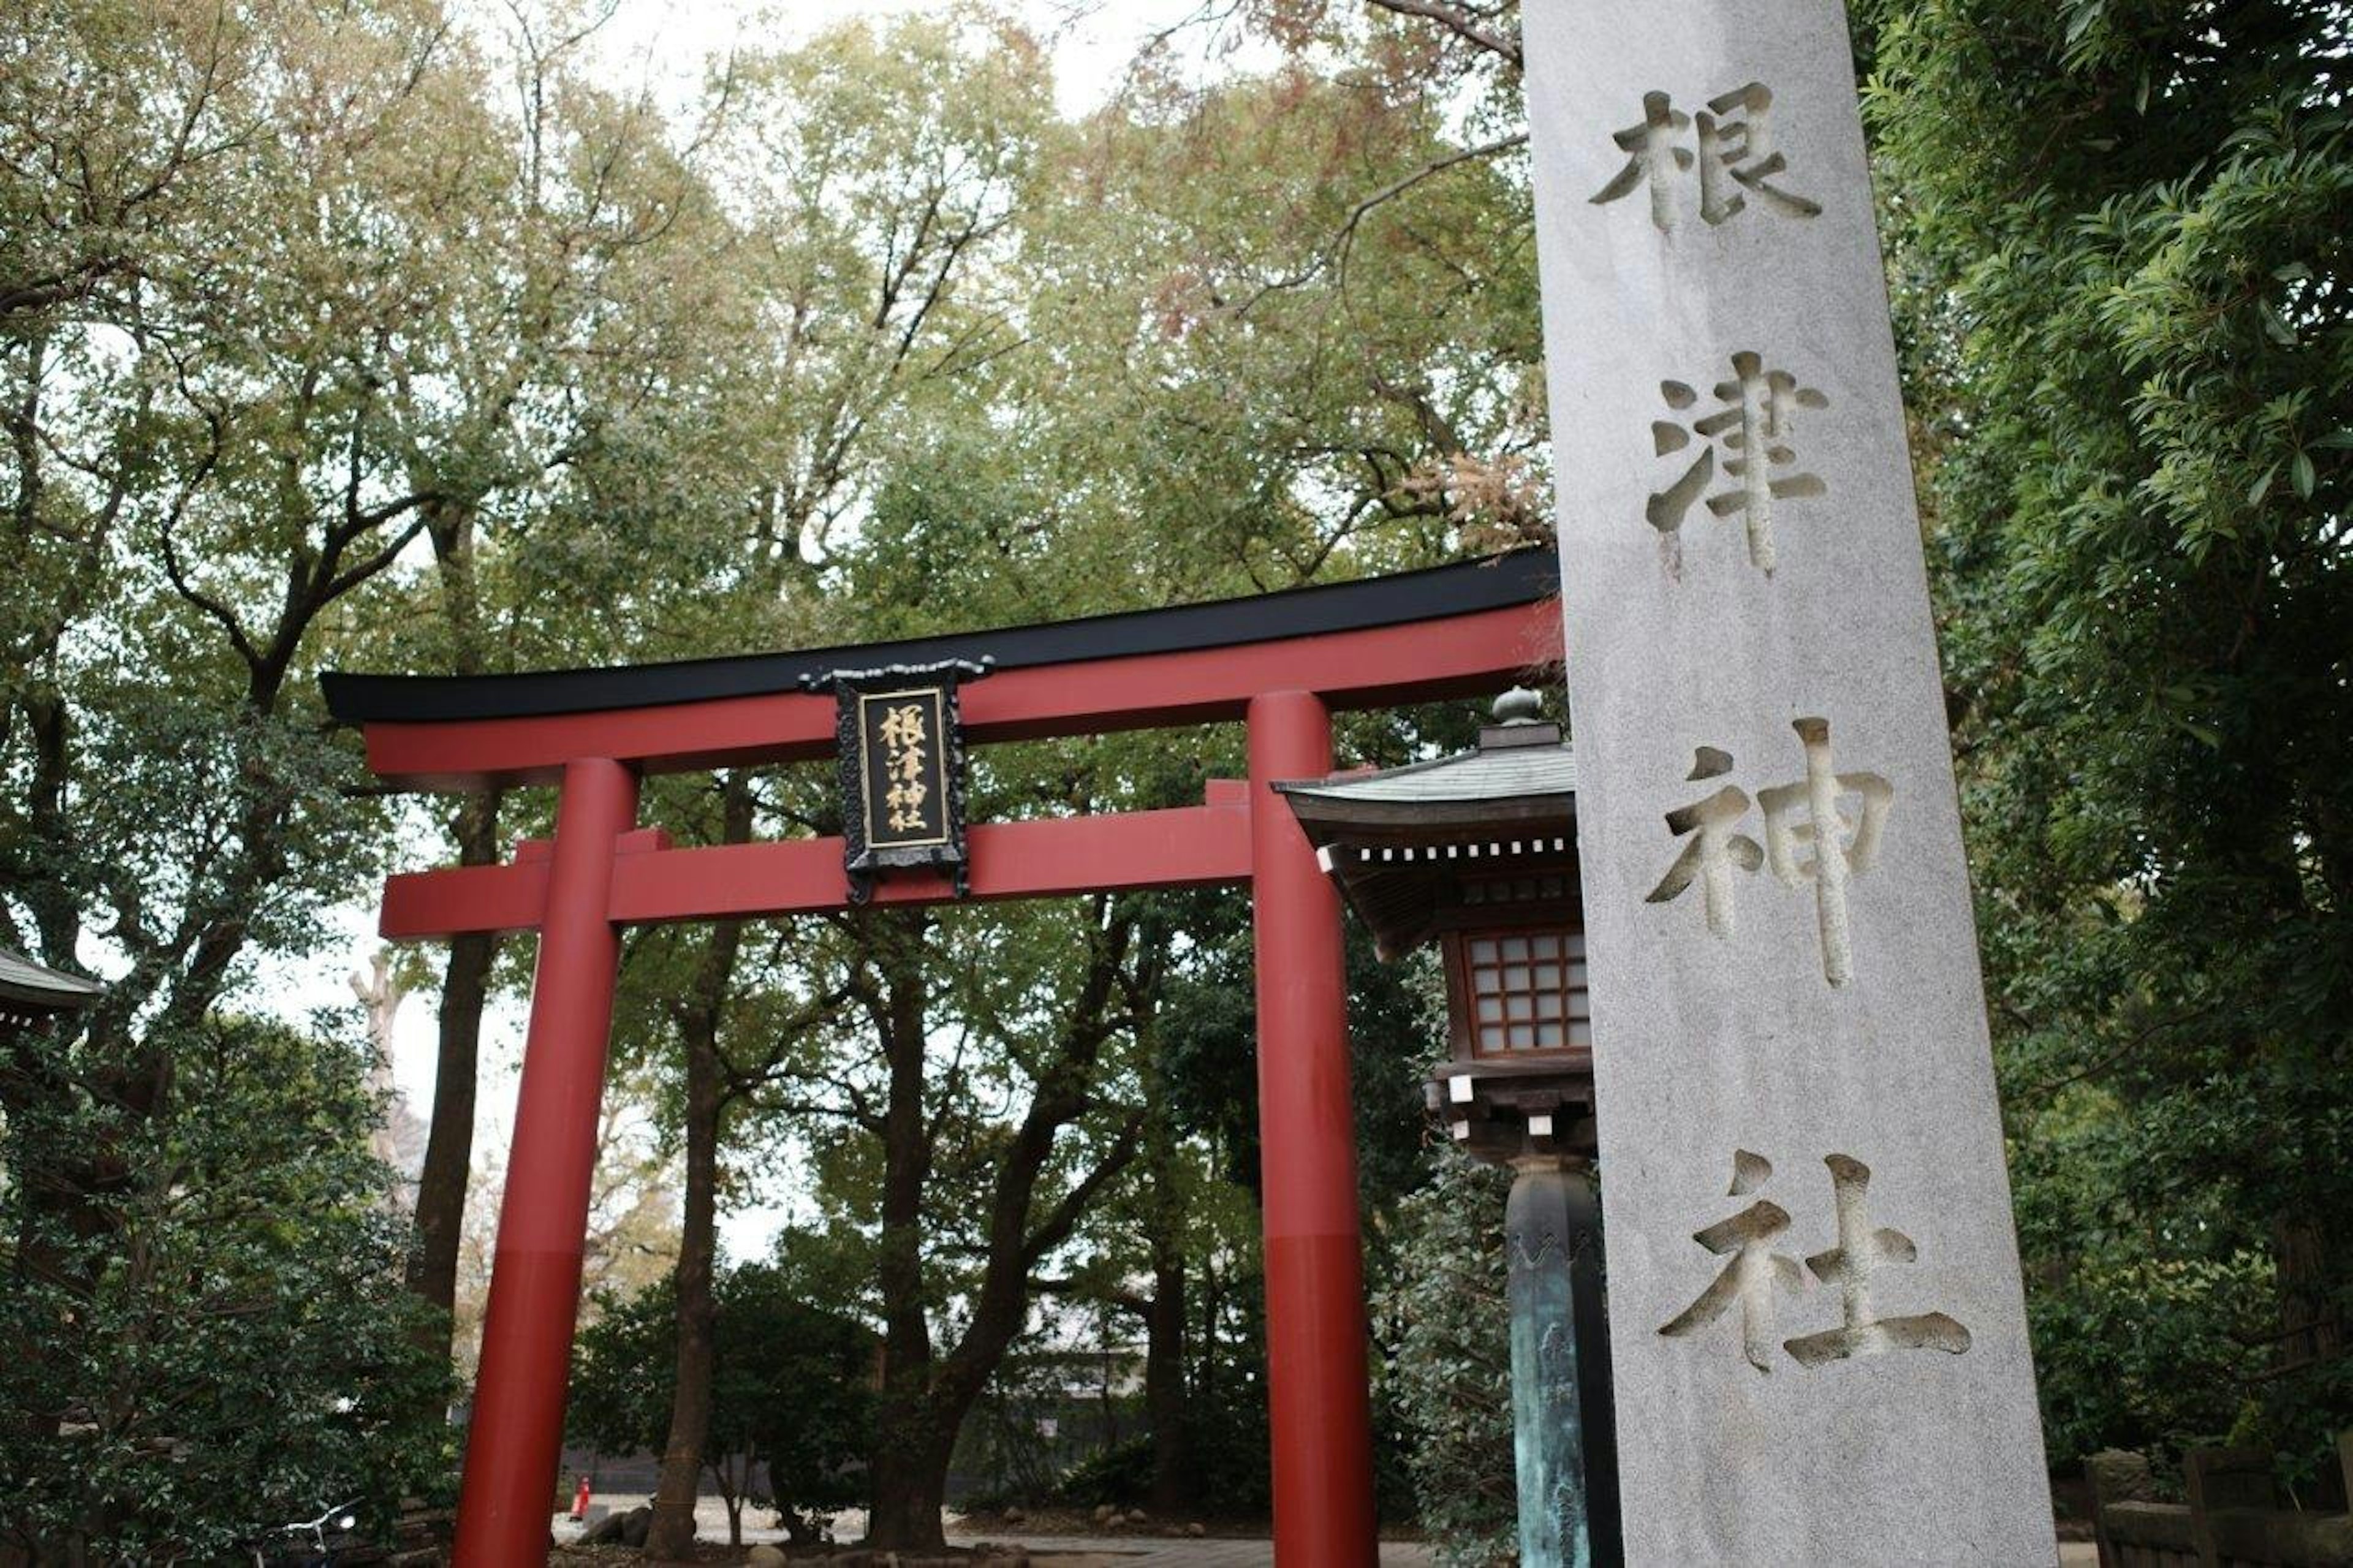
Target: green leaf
(2300,471)
(2263,487)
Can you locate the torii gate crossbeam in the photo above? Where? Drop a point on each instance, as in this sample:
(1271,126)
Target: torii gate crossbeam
(1281,663)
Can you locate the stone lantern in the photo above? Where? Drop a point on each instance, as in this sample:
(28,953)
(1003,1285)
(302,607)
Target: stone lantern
(1478,853)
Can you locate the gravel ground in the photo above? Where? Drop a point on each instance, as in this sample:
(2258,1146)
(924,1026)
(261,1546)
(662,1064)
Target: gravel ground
(1135,1548)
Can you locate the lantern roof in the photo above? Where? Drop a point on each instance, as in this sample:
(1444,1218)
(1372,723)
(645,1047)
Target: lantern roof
(1414,849)
(1522,770)
(29,992)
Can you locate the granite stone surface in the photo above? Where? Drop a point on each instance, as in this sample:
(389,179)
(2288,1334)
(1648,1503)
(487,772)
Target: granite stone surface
(1816,1318)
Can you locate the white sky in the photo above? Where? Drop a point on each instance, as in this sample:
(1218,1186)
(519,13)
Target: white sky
(1092,40)
(668,44)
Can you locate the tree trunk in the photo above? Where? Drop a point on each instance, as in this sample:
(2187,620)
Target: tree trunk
(925,1400)
(450,1137)
(911,1486)
(909,1483)
(2311,1325)
(671,1534)
(1164,1379)
(442,1181)
(1165,1219)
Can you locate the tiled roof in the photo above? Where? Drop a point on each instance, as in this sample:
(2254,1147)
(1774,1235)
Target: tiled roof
(26,983)
(1504,772)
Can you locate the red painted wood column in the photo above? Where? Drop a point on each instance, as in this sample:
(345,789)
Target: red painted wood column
(516,1439)
(1315,1327)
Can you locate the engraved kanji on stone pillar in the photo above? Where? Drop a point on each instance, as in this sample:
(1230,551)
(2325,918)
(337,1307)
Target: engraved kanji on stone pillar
(1752,1272)
(1807,815)
(1860,1253)
(1715,851)
(1754,428)
(1736,158)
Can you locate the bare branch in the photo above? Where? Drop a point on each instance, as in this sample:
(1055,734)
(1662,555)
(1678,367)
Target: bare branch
(1463,24)
(1333,254)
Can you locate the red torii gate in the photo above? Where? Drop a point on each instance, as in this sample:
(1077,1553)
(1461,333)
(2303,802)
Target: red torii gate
(1281,662)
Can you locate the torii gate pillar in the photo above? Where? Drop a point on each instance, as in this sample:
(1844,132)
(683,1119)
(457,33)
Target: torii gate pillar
(1318,1406)
(518,1425)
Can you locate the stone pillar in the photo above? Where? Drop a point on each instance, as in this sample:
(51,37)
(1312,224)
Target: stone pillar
(1560,1374)
(1817,1329)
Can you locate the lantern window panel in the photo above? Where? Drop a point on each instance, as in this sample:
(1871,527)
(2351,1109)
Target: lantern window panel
(1526,991)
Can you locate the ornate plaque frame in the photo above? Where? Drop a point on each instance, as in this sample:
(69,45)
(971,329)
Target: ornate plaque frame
(868,851)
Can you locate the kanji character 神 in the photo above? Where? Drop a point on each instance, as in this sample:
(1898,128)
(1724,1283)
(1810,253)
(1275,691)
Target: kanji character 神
(1806,814)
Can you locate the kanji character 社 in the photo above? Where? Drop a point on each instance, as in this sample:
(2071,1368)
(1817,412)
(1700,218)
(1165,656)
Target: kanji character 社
(1753,1270)
(1849,1264)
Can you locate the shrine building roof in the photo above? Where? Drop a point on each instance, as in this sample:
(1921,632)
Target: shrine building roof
(1522,772)
(29,992)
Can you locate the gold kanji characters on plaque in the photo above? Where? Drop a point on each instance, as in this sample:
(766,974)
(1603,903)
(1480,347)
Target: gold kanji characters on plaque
(905,738)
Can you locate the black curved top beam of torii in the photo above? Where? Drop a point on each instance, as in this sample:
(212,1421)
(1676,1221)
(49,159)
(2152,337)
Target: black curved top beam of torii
(1440,593)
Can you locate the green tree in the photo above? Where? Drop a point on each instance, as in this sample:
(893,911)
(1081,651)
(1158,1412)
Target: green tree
(241,1261)
(2119,239)
(1447,1378)
(792,1393)
(872,175)
(286,308)
(220,230)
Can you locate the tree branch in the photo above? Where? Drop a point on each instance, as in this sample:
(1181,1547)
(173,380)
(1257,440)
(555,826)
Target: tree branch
(1463,24)
(1333,254)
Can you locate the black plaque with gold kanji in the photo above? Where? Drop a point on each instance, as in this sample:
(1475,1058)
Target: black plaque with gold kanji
(900,753)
